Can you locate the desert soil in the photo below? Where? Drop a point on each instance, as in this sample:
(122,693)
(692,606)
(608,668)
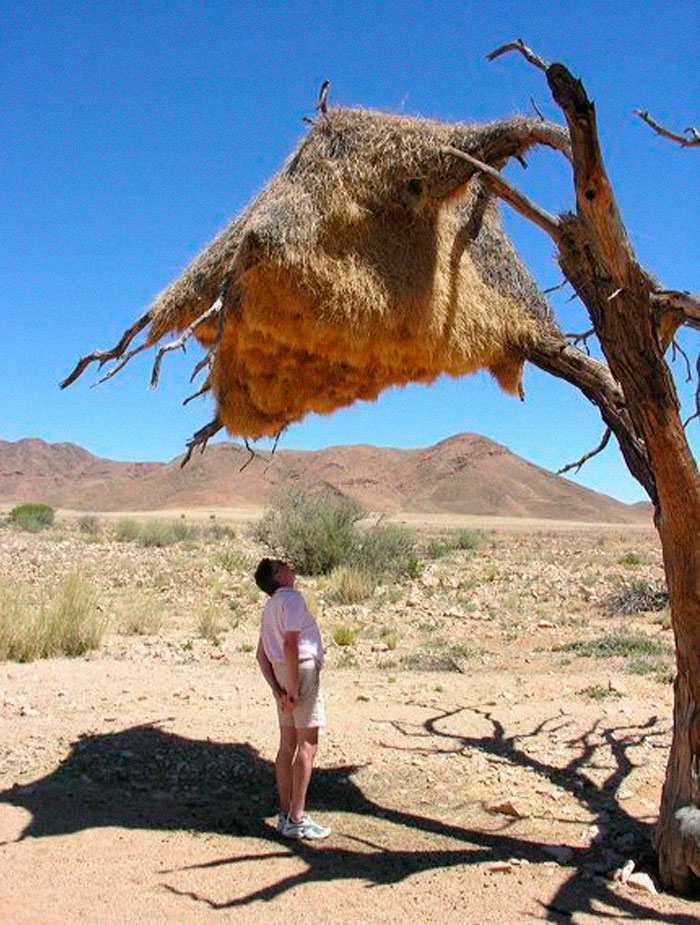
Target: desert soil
(509,786)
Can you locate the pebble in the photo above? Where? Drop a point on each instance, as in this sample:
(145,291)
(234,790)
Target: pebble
(641,881)
(506,808)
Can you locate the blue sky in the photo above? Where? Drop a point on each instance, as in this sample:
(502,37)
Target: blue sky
(130,132)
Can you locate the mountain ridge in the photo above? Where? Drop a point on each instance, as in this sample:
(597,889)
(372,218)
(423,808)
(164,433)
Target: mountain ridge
(463,474)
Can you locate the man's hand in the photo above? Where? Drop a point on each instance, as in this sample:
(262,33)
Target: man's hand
(286,703)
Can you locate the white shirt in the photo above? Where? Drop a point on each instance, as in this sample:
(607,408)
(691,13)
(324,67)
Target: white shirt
(285,612)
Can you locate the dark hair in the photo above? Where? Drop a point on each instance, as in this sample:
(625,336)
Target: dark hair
(265,575)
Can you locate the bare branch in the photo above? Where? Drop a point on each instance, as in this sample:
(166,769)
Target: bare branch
(689,139)
(252,456)
(536,108)
(594,379)
(511,195)
(322,104)
(201,438)
(180,341)
(677,349)
(208,358)
(121,364)
(582,338)
(586,456)
(206,387)
(104,356)
(519,45)
(696,413)
(561,285)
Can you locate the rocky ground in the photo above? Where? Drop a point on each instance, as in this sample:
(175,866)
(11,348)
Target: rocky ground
(498,730)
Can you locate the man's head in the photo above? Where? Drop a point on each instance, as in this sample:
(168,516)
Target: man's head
(272,574)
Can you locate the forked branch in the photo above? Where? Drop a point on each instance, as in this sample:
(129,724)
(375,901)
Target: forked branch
(689,139)
(586,456)
(527,53)
(104,356)
(179,342)
(201,438)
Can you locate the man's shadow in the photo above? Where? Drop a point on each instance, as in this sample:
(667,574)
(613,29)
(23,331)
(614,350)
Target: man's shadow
(146,778)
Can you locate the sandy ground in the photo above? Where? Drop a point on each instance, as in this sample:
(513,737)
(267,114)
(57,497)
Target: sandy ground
(136,786)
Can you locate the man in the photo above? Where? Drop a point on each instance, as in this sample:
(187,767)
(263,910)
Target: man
(290,655)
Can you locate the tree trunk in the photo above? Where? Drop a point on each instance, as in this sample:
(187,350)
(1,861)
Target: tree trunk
(678,523)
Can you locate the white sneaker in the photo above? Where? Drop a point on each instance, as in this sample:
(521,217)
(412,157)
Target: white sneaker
(307,828)
(281,821)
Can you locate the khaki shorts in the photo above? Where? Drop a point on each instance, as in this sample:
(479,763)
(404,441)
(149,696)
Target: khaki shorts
(310,712)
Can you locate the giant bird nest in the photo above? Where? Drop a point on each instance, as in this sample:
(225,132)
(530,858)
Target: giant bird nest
(374,257)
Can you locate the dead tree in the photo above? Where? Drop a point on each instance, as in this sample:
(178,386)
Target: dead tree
(634,320)
(375,257)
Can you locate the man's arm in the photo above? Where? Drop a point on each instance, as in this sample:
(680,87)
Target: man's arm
(269,675)
(290,648)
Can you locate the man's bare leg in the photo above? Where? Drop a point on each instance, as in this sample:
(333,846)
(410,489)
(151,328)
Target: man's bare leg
(302,765)
(283,766)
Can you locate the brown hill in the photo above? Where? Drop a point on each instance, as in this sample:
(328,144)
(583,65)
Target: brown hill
(465,474)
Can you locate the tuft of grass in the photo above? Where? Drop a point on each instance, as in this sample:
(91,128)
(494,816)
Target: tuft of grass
(617,644)
(631,559)
(347,659)
(69,624)
(389,636)
(344,636)
(143,617)
(639,596)
(468,539)
(232,560)
(348,585)
(158,533)
(33,516)
(246,647)
(215,533)
(599,692)
(439,657)
(209,625)
(89,525)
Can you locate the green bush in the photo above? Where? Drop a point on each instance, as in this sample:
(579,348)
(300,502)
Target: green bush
(315,534)
(385,550)
(69,624)
(126,530)
(319,534)
(32,516)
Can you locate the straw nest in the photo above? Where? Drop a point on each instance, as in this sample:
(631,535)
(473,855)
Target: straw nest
(374,257)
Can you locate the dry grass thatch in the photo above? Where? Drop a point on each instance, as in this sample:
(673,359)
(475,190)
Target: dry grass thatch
(373,258)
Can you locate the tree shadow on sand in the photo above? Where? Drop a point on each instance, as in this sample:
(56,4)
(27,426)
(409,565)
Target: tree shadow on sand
(146,778)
